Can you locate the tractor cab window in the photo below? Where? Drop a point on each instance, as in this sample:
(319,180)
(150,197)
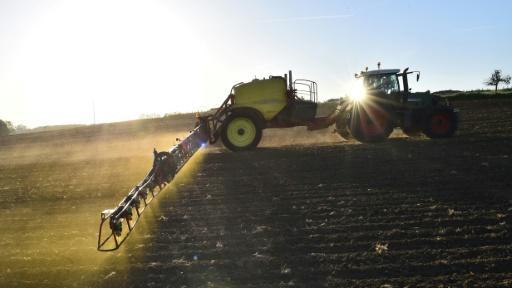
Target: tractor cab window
(387,83)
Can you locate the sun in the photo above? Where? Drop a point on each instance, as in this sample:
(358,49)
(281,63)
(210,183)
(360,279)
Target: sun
(358,92)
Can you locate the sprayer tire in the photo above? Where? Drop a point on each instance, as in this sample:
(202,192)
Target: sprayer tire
(241,131)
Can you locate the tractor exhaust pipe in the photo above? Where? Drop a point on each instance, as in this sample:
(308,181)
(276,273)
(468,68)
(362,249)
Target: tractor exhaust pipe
(406,86)
(290,79)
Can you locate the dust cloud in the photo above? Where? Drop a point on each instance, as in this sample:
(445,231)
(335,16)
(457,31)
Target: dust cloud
(298,136)
(53,189)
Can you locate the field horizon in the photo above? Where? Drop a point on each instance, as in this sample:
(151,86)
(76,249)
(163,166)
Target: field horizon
(179,118)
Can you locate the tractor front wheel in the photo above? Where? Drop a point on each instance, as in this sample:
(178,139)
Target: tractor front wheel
(370,124)
(441,123)
(241,132)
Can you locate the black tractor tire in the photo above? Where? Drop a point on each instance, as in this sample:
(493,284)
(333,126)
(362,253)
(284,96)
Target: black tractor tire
(368,130)
(241,131)
(441,122)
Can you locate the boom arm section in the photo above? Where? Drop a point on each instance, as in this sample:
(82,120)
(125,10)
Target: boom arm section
(118,223)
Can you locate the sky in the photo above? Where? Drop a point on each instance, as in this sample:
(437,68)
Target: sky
(61,61)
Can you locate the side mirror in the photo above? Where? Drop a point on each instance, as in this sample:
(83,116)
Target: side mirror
(417,77)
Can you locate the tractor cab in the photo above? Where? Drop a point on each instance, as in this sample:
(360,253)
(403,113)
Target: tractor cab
(388,85)
(381,80)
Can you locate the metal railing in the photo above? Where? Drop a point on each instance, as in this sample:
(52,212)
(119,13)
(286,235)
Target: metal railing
(305,89)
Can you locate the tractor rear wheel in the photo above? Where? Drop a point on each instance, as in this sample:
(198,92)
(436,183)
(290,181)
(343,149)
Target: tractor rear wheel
(441,123)
(241,132)
(370,124)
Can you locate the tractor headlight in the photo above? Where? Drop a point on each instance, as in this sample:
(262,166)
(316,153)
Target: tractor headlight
(358,92)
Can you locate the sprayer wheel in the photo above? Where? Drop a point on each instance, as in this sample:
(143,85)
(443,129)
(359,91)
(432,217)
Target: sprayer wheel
(241,132)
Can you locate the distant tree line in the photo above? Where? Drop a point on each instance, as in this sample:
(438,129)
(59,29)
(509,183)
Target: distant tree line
(149,116)
(6,128)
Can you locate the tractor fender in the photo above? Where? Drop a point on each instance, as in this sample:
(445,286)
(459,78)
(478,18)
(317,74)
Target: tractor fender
(251,112)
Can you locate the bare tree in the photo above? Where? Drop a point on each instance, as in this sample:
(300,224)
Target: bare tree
(497,78)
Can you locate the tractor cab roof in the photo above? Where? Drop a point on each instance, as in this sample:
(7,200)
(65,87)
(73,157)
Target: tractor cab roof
(378,72)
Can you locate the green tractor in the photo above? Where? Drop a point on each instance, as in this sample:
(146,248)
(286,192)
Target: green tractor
(369,115)
(378,104)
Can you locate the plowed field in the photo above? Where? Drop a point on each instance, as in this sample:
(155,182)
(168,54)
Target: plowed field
(407,212)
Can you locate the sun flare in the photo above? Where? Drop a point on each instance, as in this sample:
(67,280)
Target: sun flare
(358,92)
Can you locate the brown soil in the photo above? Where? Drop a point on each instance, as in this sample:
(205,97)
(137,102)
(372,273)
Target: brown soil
(407,212)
